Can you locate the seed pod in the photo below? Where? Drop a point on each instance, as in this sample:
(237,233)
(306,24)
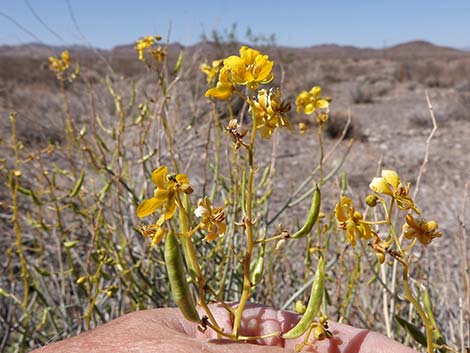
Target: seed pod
(314,303)
(78,185)
(312,216)
(177,277)
(258,269)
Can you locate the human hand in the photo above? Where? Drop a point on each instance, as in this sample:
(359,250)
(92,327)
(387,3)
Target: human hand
(166,330)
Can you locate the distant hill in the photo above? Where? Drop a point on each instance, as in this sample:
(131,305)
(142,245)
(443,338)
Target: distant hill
(408,50)
(420,49)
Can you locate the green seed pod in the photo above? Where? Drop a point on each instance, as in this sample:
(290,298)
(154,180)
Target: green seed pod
(177,277)
(179,62)
(312,216)
(313,307)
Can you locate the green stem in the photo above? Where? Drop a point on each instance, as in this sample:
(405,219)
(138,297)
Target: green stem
(249,235)
(408,294)
(322,153)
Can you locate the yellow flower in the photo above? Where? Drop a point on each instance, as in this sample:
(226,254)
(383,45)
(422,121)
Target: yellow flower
(224,88)
(249,69)
(211,71)
(142,44)
(424,231)
(310,102)
(351,221)
(390,184)
(168,187)
(270,112)
(60,65)
(213,219)
(154,232)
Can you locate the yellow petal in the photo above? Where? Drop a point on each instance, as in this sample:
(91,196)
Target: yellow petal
(351,232)
(248,55)
(159,176)
(315,91)
(340,214)
(170,211)
(237,69)
(267,79)
(391,177)
(309,108)
(148,207)
(265,75)
(220,92)
(380,186)
(182,179)
(322,103)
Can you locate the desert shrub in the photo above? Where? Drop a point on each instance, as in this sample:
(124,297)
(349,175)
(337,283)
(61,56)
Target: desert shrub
(341,120)
(446,112)
(77,256)
(369,88)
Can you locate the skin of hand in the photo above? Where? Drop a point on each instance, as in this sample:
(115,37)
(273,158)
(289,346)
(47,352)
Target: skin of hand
(166,331)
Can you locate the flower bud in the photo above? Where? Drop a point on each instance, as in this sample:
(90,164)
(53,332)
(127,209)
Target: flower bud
(371,200)
(299,307)
(319,333)
(432,225)
(380,257)
(81,280)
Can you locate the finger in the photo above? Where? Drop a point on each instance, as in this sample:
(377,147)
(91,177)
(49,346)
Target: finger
(149,331)
(261,320)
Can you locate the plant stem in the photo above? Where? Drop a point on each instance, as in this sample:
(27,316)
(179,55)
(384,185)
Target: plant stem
(249,234)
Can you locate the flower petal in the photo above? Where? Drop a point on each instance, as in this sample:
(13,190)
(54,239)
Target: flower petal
(322,103)
(315,91)
(161,195)
(380,186)
(148,207)
(159,176)
(391,177)
(220,92)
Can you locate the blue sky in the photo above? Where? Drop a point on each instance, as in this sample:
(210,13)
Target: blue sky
(366,23)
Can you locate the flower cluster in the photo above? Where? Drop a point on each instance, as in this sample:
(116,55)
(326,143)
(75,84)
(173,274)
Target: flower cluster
(351,221)
(60,64)
(311,102)
(424,231)
(269,112)
(147,43)
(167,197)
(249,69)
(213,219)
(390,184)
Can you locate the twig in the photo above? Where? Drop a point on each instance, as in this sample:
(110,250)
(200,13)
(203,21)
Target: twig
(428,142)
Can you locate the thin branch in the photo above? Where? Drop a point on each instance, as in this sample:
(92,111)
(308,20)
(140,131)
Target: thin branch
(428,142)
